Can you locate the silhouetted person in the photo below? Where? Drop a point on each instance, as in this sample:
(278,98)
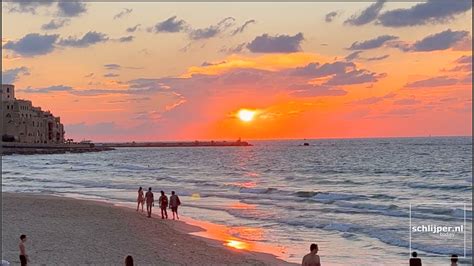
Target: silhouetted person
(414,260)
(129,261)
(163,200)
(149,201)
(23,257)
(174,203)
(454,260)
(140,198)
(312,259)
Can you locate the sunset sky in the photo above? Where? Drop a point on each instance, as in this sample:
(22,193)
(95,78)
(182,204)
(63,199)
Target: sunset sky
(183,71)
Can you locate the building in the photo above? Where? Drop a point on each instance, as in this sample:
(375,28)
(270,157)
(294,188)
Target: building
(22,122)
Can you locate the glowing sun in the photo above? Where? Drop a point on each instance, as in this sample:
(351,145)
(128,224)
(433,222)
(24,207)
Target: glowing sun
(246,115)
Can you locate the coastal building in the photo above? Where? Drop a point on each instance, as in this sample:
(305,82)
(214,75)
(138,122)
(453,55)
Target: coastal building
(22,122)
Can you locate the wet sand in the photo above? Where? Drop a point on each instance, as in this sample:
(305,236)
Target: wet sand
(79,232)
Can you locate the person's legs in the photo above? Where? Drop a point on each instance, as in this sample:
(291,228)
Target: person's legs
(176,210)
(172,211)
(23,260)
(166,213)
(138,205)
(148,209)
(162,214)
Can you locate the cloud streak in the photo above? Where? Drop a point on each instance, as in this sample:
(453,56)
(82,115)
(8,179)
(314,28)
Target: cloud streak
(276,44)
(372,43)
(430,12)
(32,44)
(9,76)
(367,15)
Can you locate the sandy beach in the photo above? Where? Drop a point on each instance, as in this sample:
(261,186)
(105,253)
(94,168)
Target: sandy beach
(78,232)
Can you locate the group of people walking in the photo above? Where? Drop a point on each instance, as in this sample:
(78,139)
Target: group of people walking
(173,203)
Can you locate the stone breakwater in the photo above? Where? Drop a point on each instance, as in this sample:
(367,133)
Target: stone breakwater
(27,149)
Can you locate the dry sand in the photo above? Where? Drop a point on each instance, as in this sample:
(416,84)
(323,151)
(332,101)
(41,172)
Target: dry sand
(65,231)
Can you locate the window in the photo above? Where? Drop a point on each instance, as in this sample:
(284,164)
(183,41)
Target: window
(8,90)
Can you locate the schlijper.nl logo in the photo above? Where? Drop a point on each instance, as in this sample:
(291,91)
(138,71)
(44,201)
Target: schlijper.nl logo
(439,228)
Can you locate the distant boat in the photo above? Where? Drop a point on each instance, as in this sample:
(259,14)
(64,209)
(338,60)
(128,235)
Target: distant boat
(306,144)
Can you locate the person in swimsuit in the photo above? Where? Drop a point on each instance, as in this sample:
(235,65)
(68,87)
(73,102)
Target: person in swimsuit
(140,199)
(149,201)
(312,259)
(23,257)
(174,203)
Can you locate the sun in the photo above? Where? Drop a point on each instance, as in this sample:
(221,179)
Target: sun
(246,115)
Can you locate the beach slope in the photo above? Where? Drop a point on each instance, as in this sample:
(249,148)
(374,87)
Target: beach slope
(79,232)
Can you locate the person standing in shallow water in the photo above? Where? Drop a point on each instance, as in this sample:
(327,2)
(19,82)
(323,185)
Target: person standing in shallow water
(149,201)
(163,200)
(312,259)
(174,203)
(140,198)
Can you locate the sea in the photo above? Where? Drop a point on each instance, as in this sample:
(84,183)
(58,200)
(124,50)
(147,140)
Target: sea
(363,201)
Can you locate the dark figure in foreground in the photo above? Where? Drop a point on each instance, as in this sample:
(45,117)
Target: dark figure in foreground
(129,261)
(174,203)
(23,257)
(149,201)
(163,200)
(312,259)
(414,261)
(140,199)
(454,260)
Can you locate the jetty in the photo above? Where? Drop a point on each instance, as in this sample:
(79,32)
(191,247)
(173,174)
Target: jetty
(163,144)
(9,148)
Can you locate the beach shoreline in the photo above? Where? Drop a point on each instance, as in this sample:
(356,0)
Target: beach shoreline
(71,231)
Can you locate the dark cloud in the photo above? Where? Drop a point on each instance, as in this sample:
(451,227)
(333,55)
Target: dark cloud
(9,76)
(112,66)
(88,39)
(126,39)
(330,16)
(463,64)
(430,12)
(440,41)
(111,75)
(377,58)
(205,63)
(353,56)
(357,76)
(55,24)
(372,43)
(71,9)
(133,29)
(32,44)
(123,13)
(243,27)
(316,70)
(57,88)
(367,15)
(233,50)
(172,24)
(211,31)
(433,82)
(22,6)
(276,44)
